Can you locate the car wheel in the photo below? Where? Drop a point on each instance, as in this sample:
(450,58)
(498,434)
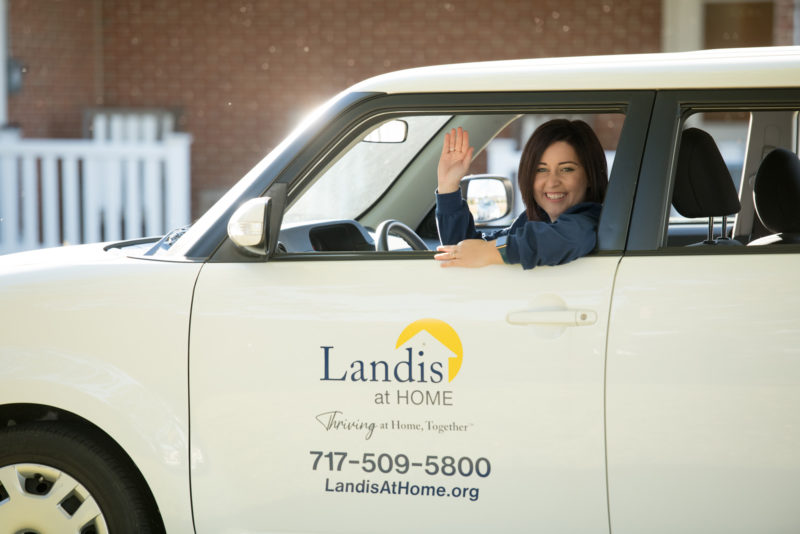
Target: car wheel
(54,478)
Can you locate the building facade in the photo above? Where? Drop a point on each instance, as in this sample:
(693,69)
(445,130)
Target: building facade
(237,75)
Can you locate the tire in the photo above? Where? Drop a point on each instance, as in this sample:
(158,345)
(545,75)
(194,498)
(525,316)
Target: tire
(55,478)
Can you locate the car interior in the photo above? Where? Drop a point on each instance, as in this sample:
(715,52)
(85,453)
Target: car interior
(401,216)
(754,184)
(377,193)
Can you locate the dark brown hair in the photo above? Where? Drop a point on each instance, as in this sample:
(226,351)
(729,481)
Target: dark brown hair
(588,148)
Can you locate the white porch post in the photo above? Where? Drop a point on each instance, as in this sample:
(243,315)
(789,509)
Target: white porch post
(681,25)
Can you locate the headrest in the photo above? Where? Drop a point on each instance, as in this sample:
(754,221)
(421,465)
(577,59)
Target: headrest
(776,192)
(703,184)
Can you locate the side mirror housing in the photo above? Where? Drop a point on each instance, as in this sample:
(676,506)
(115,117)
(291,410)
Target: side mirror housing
(489,197)
(248,227)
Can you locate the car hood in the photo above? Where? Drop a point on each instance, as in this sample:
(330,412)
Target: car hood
(67,255)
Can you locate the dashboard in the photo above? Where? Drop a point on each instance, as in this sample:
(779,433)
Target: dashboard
(342,235)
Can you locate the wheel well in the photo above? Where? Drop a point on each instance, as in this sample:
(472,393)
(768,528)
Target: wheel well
(21,414)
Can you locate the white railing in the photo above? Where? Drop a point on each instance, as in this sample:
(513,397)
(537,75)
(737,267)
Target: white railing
(68,191)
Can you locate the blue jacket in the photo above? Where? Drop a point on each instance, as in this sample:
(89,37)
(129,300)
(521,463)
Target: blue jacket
(531,243)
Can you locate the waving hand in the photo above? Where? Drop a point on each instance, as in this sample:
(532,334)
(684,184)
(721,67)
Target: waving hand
(454,161)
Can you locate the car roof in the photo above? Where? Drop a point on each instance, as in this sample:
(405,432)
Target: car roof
(724,68)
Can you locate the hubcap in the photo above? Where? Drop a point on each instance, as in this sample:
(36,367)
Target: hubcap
(36,499)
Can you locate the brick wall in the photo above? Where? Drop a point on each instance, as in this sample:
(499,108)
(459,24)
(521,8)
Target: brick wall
(57,48)
(242,72)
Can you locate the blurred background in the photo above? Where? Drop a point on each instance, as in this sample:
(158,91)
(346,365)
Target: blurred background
(216,84)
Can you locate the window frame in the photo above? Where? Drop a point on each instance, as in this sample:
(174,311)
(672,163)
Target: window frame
(651,208)
(354,121)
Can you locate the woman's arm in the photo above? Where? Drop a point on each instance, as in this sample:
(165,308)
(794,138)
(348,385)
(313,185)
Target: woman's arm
(531,243)
(453,219)
(573,235)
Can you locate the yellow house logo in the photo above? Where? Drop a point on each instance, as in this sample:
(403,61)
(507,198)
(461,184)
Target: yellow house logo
(414,367)
(444,334)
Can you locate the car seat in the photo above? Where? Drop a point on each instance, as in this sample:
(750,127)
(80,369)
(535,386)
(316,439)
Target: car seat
(776,194)
(703,184)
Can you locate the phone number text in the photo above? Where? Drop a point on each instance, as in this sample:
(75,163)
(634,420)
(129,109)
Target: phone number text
(371,462)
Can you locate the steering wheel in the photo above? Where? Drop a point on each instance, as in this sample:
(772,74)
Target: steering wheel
(394,227)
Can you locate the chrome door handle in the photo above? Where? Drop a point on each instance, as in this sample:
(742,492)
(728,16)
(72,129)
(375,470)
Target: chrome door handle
(553,317)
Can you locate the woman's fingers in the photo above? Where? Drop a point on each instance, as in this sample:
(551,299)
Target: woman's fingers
(446,253)
(456,140)
(449,256)
(446,144)
(468,253)
(461,140)
(456,143)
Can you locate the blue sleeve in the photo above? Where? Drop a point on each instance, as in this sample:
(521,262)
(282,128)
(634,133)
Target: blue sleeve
(453,219)
(530,243)
(573,235)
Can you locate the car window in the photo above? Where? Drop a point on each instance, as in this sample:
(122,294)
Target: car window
(729,130)
(393,178)
(364,172)
(502,153)
(715,204)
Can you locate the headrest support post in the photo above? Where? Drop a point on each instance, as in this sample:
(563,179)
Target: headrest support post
(710,240)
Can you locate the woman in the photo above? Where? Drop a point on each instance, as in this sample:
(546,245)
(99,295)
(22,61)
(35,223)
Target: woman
(563,177)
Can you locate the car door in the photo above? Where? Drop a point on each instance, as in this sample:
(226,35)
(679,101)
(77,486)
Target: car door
(364,391)
(704,352)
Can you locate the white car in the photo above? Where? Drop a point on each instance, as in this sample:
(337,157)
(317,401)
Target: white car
(296,361)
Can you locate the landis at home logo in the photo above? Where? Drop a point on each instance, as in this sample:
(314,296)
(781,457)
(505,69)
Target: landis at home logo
(413,367)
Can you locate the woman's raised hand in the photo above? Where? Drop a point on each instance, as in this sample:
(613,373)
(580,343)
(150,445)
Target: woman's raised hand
(454,161)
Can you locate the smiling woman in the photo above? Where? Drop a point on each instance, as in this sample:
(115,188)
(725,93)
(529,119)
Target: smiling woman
(563,177)
(559,181)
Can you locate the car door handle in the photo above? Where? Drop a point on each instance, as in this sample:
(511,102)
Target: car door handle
(553,317)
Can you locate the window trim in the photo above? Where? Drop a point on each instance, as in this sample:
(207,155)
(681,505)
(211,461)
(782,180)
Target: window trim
(648,230)
(636,105)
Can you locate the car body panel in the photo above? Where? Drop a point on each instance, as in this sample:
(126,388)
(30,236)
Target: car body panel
(529,398)
(702,389)
(124,371)
(724,68)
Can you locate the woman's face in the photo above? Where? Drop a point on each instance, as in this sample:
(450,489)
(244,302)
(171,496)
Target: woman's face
(560,180)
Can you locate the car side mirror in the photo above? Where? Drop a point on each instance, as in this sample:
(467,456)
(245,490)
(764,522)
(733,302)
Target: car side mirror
(248,226)
(489,197)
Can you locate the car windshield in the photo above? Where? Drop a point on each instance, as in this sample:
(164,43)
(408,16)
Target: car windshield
(363,173)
